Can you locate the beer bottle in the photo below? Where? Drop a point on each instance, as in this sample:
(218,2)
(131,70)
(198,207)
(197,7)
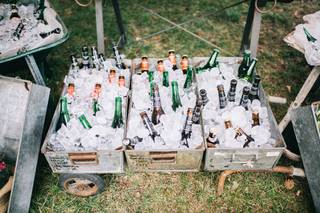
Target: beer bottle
(117,118)
(245,97)
(117,57)
(309,36)
(240,132)
(144,66)
(95,57)
(222,97)
(165,79)
(157,108)
(14,12)
(149,126)
(131,142)
(46,34)
(17,32)
(64,112)
(160,66)
(232,91)
(212,139)
(254,91)
(255,118)
(95,106)
(227,123)
(176,102)
(97,91)
(197,112)
(150,76)
(212,62)
(121,81)
(184,64)
(70,93)
(250,71)
(85,123)
(188,82)
(112,75)
(187,128)
(74,62)
(172,59)
(204,97)
(85,58)
(245,64)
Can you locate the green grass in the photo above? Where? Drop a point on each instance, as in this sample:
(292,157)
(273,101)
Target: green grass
(279,65)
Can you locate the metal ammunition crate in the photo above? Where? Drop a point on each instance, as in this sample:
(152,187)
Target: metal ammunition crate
(98,162)
(163,160)
(244,158)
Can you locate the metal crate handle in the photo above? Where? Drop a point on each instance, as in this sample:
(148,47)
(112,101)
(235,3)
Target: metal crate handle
(88,158)
(163,157)
(254,159)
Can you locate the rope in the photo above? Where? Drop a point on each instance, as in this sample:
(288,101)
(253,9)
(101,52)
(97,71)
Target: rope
(265,11)
(215,13)
(83,5)
(186,30)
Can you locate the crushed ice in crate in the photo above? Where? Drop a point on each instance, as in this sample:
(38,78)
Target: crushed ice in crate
(169,131)
(23,29)
(243,129)
(90,109)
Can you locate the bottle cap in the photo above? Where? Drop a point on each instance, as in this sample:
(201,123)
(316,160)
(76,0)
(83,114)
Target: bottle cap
(170,51)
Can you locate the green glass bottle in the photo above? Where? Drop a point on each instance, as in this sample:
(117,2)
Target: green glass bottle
(188,82)
(211,63)
(245,64)
(151,76)
(95,106)
(176,102)
(84,121)
(64,112)
(117,118)
(309,36)
(165,80)
(249,73)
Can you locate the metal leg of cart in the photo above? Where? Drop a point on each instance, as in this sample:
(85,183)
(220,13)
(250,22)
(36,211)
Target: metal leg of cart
(27,158)
(34,69)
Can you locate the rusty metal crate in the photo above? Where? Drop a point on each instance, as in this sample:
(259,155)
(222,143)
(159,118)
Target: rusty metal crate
(244,158)
(163,160)
(97,162)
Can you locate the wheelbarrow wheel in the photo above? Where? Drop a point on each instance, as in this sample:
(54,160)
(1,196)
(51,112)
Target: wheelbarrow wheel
(82,185)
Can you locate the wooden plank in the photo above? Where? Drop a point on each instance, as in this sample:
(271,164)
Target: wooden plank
(27,159)
(309,145)
(254,43)
(304,91)
(99,26)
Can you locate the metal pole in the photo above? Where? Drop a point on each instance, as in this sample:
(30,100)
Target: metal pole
(254,43)
(247,28)
(99,25)
(117,11)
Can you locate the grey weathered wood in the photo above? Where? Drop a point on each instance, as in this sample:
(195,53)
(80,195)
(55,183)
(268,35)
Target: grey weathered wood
(99,26)
(255,33)
(304,91)
(13,103)
(27,159)
(34,69)
(309,145)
